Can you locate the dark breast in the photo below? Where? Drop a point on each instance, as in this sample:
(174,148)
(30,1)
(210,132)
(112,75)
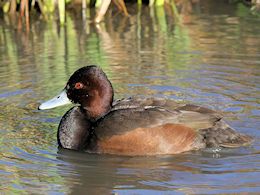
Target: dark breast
(74,130)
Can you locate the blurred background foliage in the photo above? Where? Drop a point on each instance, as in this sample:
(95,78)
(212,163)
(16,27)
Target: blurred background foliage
(56,9)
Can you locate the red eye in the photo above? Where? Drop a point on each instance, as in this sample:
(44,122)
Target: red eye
(78,85)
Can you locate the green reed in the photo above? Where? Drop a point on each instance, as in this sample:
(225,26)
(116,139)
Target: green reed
(51,9)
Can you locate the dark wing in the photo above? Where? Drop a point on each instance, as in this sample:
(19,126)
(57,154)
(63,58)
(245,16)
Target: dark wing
(193,116)
(138,112)
(121,121)
(139,101)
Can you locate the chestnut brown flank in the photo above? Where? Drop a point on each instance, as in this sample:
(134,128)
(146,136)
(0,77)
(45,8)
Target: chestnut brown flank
(164,139)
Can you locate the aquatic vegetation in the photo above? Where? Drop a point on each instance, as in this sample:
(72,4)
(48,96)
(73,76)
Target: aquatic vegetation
(56,9)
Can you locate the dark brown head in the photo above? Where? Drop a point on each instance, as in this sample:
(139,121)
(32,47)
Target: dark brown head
(89,87)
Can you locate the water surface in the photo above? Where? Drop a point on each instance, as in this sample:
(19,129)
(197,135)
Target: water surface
(211,57)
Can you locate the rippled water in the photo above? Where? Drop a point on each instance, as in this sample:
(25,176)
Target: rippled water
(211,57)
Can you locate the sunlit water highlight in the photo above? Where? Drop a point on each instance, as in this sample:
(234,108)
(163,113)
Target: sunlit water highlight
(212,59)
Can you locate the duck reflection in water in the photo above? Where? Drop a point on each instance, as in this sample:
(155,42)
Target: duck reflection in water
(105,174)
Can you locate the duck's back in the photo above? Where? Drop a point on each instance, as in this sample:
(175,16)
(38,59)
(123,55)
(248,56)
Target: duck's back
(143,126)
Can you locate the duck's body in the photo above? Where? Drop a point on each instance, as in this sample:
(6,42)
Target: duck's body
(137,125)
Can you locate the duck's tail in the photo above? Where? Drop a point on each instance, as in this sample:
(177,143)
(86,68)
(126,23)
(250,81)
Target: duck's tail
(222,135)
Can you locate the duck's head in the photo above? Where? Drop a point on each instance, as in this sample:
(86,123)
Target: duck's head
(89,87)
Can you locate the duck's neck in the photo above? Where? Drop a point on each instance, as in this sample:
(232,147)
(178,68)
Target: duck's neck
(99,101)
